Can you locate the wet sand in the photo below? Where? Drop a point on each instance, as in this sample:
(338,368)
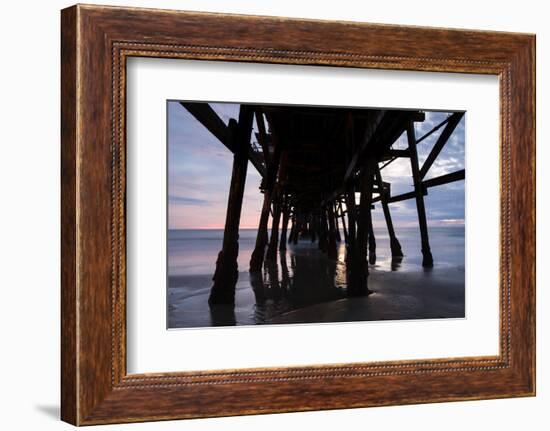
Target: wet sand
(304,286)
(397,296)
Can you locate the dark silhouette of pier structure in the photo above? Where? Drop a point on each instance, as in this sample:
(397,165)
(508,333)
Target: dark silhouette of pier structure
(313,162)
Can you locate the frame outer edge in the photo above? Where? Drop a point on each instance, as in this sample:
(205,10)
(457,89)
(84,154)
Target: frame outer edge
(530,63)
(533,54)
(87,397)
(69,201)
(532,82)
(523,218)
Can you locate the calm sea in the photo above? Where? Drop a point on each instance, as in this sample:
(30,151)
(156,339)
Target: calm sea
(194,252)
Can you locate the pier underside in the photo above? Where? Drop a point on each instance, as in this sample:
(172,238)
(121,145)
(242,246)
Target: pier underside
(322,173)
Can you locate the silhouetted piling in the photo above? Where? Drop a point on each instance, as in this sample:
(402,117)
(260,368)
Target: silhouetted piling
(427,260)
(395,246)
(227,273)
(331,245)
(286,214)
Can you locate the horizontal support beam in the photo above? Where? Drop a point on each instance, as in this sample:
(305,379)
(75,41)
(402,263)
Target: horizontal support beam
(345,211)
(445,179)
(398,153)
(432,182)
(370,131)
(405,196)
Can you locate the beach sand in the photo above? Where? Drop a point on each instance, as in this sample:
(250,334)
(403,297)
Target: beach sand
(304,286)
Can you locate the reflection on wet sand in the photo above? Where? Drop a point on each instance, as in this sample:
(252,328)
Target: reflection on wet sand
(396,262)
(293,280)
(223,315)
(281,287)
(303,285)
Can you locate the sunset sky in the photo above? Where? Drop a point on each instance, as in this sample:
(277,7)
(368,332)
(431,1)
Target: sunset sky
(199,173)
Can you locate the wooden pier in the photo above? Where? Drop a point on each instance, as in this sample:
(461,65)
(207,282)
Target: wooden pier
(314,163)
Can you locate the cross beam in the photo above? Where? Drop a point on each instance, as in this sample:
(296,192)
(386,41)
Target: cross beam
(432,182)
(388,136)
(205,115)
(454,119)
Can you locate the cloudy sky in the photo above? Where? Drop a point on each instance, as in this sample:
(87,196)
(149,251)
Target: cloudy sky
(199,173)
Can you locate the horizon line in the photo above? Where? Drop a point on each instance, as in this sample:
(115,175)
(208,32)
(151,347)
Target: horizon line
(376,227)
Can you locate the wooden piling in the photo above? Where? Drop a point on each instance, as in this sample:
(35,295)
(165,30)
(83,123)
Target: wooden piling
(293,237)
(286,214)
(292,228)
(342,216)
(351,210)
(336,223)
(364,224)
(395,246)
(262,236)
(226,273)
(427,259)
(332,250)
(372,242)
(356,279)
(274,240)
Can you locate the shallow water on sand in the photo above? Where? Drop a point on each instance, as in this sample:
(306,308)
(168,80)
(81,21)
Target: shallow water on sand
(304,286)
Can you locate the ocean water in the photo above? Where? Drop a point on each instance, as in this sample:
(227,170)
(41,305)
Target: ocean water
(303,277)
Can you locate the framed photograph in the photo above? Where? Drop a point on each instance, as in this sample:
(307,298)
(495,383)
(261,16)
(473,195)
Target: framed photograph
(266,215)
